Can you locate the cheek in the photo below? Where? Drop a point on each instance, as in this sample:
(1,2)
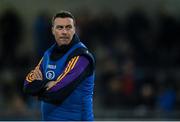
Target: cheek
(72,33)
(57,33)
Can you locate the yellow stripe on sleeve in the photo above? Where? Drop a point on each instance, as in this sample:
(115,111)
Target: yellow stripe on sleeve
(75,62)
(70,64)
(69,68)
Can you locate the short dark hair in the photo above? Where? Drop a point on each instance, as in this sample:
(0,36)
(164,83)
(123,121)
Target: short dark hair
(63,14)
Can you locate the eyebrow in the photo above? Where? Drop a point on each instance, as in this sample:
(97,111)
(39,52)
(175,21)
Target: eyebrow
(62,26)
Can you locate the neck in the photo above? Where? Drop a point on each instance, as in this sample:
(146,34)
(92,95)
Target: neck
(58,51)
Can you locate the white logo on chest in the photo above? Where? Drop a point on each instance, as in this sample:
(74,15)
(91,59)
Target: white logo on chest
(52,66)
(50,75)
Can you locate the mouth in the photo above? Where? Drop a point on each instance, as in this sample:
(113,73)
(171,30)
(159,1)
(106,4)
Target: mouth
(64,37)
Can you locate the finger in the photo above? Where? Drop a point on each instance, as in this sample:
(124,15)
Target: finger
(37,75)
(31,76)
(37,68)
(40,73)
(50,85)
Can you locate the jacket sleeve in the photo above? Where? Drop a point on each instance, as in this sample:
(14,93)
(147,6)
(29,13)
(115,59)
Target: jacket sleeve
(77,69)
(67,81)
(33,86)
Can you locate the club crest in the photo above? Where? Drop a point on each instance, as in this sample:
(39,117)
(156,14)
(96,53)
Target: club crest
(50,75)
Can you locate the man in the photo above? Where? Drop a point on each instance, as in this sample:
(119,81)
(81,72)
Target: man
(64,78)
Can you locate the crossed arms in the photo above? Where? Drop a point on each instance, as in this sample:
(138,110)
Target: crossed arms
(56,91)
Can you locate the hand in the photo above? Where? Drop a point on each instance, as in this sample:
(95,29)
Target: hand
(50,84)
(37,75)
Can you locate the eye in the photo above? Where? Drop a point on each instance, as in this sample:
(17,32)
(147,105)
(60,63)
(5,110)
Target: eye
(59,27)
(68,27)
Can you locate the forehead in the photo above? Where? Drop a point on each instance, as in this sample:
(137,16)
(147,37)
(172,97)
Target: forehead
(63,21)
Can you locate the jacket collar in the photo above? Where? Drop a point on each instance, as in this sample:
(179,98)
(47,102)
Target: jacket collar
(65,48)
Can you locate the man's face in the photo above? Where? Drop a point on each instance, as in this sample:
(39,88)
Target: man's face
(63,30)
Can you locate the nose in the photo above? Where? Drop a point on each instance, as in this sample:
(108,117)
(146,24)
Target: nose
(64,31)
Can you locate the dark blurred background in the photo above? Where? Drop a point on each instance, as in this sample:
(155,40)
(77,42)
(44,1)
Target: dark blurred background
(136,44)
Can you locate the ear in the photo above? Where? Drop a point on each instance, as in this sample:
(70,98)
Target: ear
(52,30)
(74,29)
